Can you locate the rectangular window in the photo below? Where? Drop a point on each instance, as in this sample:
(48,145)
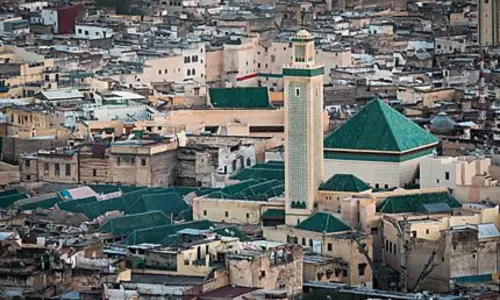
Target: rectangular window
(248,215)
(143,162)
(447,175)
(344,272)
(132,160)
(204,212)
(386,245)
(361,269)
(94,172)
(27,163)
(374,231)
(118,161)
(330,247)
(227,214)
(57,171)
(67,170)
(414,233)
(46,168)
(310,242)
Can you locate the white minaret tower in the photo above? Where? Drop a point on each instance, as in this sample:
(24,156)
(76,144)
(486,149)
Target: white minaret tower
(303,94)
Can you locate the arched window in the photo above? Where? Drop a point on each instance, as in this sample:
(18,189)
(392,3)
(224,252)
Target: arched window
(188,72)
(193,72)
(376,185)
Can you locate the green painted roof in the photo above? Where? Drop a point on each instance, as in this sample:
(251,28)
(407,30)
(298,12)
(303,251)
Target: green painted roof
(169,203)
(9,198)
(323,222)
(273,213)
(123,226)
(156,234)
(45,204)
(413,203)
(70,205)
(344,183)
(240,98)
(99,208)
(381,128)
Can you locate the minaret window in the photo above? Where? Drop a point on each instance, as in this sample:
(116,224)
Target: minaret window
(300,53)
(297,92)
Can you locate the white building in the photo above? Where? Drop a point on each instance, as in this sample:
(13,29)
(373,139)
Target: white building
(33,6)
(93,32)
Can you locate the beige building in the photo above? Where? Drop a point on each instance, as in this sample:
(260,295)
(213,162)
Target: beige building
(459,245)
(30,120)
(468,178)
(22,71)
(143,163)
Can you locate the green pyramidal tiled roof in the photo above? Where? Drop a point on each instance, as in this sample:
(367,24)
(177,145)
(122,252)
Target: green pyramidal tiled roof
(125,225)
(344,183)
(413,203)
(96,209)
(323,222)
(240,98)
(381,128)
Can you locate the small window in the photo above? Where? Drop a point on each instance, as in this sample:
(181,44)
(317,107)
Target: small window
(132,160)
(118,161)
(186,262)
(377,185)
(329,247)
(361,269)
(143,162)
(227,214)
(427,231)
(248,216)
(303,241)
(28,177)
(447,175)
(310,242)
(159,128)
(68,170)
(249,162)
(94,172)
(344,272)
(204,212)
(27,163)
(386,186)
(262,273)
(57,171)
(414,233)
(374,231)
(297,92)
(473,256)
(159,72)
(165,71)
(437,180)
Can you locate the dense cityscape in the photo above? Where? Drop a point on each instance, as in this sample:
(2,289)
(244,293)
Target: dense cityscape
(249,149)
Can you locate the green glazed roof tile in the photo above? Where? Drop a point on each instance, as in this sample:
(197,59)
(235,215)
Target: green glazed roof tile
(9,198)
(379,127)
(70,205)
(323,222)
(45,204)
(413,203)
(344,183)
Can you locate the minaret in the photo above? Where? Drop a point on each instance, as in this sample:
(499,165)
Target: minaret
(303,94)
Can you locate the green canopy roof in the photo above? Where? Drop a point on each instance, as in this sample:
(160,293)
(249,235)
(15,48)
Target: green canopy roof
(9,198)
(45,204)
(70,205)
(379,127)
(155,234)
(123,226)
(171,204)
(415,202)
(323,222)
(99,208)
(240,98)
(344,183)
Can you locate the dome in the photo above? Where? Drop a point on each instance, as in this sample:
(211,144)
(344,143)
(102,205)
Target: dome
(442,123)
(303,34)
